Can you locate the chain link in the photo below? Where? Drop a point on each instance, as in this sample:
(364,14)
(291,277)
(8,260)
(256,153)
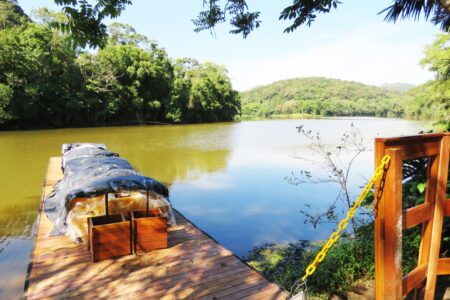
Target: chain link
(350,214)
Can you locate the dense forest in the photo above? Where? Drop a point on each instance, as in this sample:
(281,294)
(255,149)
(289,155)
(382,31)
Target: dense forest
(320,96)
(47,81)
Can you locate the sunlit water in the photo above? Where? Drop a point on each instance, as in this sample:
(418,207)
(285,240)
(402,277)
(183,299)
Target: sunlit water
(229,179)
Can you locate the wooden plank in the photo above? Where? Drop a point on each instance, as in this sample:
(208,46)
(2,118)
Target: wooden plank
(417,215)
(194,264)
(393,227)
(413,279)
(262,289)
(160,274)
(447,208)
(438,218)
(443,267)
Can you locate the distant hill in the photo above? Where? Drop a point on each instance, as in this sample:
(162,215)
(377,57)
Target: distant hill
(398,87)
(320,96)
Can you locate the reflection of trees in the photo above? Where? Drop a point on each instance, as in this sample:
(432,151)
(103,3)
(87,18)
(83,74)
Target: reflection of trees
(181,165)
(175,153)
(168,154)
(23,159)
(16,220)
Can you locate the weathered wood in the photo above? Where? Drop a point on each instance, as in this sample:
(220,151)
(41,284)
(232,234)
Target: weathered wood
(193,266)
(393,227)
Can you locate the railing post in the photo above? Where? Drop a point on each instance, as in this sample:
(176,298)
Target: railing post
(379,225)
(438,218)
(388,230)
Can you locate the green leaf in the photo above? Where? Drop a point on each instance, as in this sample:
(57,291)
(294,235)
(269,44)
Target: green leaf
(421,187)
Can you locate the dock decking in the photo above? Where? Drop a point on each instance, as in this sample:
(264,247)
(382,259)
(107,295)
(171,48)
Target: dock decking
(194,266)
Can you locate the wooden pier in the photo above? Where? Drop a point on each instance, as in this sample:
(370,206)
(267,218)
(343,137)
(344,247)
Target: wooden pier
(194,266)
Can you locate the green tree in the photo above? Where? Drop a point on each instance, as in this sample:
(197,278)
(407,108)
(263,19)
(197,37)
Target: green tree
(6,94)
(86,17)
(38,65)
(437,57)
(46,80)
(11,14)
(125,34)
(202,93)
(243,21)
(129,82)
(432,99)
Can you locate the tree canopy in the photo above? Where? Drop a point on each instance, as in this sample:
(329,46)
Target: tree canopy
(432,99)
(301,12)
(46,81)
(86,17)
(11,14)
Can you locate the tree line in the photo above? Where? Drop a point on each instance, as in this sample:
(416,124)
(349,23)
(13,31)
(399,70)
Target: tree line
(46,80)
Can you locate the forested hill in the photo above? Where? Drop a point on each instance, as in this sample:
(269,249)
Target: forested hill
(320,96)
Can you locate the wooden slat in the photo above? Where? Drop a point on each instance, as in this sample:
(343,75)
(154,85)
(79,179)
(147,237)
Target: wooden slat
(193,266)
(417,214)
(413,279)
(427,226)
(443,266)
(447,208)
(438,217)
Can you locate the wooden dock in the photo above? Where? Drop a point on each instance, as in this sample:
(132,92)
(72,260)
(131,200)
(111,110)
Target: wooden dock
(194,266)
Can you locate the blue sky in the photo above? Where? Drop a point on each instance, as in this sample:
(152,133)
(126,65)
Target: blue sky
(351,43)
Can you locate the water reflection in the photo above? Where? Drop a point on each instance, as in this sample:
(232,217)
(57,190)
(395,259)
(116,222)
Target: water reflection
(227,178)
(168,153)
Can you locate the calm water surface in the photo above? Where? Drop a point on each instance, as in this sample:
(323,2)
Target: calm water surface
(227,178)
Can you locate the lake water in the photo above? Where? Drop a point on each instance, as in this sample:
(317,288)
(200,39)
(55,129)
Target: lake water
(228,178)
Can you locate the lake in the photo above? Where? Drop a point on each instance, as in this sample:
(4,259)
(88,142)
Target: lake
(228,178)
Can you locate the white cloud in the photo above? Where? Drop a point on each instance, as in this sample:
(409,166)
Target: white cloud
(372,54)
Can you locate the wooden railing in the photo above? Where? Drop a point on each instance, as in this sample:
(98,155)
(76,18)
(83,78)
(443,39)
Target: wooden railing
(391,220)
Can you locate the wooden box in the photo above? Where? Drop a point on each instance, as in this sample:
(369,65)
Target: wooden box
(109,236)
(149,231)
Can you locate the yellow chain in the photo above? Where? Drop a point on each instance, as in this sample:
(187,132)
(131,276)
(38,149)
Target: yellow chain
(350,214)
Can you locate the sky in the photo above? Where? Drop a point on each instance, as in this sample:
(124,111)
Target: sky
(351,43)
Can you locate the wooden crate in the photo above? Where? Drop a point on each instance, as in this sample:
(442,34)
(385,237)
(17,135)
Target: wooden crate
(149,231)
(109,236)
